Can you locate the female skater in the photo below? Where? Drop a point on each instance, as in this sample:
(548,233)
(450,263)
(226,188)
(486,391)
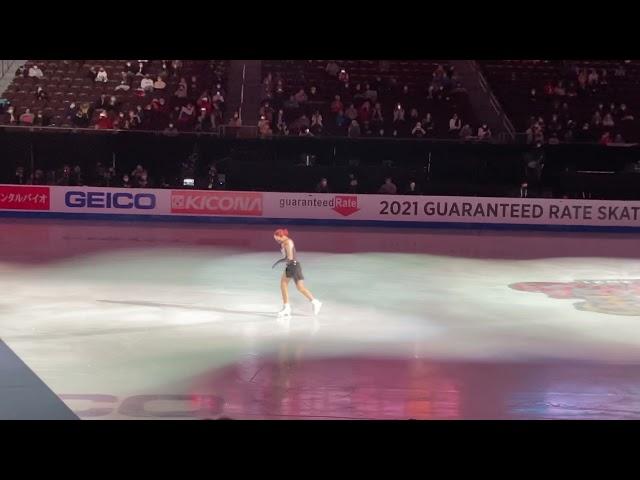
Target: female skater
(293,270)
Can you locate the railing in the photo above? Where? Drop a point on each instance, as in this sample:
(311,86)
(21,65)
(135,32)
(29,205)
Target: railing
(5,66)
(494,102)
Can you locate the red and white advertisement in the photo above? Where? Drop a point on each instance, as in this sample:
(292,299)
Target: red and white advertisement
(17,197)
(225,203)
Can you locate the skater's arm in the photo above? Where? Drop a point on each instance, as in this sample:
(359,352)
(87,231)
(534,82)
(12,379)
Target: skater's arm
(278,262)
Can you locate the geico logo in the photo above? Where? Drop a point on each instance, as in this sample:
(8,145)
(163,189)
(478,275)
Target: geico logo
(224,204)
(140,201)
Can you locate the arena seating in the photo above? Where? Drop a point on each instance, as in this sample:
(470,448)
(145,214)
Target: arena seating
(392,76)
(513,80)
(67,81)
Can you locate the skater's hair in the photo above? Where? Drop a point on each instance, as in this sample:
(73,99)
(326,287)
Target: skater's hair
(281,232)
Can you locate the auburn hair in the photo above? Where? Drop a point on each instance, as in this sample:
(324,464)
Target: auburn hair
(281,232)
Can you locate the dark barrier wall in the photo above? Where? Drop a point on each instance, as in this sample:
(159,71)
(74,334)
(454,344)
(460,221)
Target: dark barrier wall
(297,163)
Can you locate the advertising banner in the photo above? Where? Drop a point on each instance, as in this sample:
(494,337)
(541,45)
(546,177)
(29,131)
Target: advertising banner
(334,208)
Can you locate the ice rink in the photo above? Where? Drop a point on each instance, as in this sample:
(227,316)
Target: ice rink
(156,320)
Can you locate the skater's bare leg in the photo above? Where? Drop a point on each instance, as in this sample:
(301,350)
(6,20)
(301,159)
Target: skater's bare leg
(284,288)
(304,290)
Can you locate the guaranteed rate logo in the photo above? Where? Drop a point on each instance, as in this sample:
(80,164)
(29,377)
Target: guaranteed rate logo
(345,205)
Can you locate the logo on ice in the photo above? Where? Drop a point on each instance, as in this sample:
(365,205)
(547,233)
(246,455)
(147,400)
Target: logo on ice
(346,205)
(217,203)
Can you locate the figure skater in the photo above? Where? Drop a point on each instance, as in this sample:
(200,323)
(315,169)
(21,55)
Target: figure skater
(292,270)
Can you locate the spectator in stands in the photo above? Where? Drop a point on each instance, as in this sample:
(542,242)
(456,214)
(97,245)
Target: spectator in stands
(377,119)
(301,96)
(263,126)
(569,134)
(618,139)
(235,120)
(181,91)
(281,127)
(186,116)
(21,71)
(585,133)
(102,102)
(316,123)
(35,72)
(398,114)
(113,105)
(141,70)
(364,112)
(455,124)
(133,120)
(370,93)
(358,94)
(171,130)
(466,132)
(336,105)
(354,129)
(313,96)
(120,122)
(104,122)
(126,182)
(38,178)
(124,86)
(218,98)
(19,178)
(625,114)
(42,120)
(418,131)
(301,123)
(323,186)
(64,178)
(267,111)
(146,84)
(606,139)
(159,84)
(620,71)
(143,181)
(367,131)
(428,124)
(352,185)
(388,187)
(341,121)
(41,94)
(484,132)
(351,113)
(412,189)
(343,76)
(101,76)
(176,67)
(76,179)
(27,117)
(332,68)
(129,68)
(10,117)
(608,121)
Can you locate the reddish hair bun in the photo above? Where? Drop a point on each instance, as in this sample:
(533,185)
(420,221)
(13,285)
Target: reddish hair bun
(281,232)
